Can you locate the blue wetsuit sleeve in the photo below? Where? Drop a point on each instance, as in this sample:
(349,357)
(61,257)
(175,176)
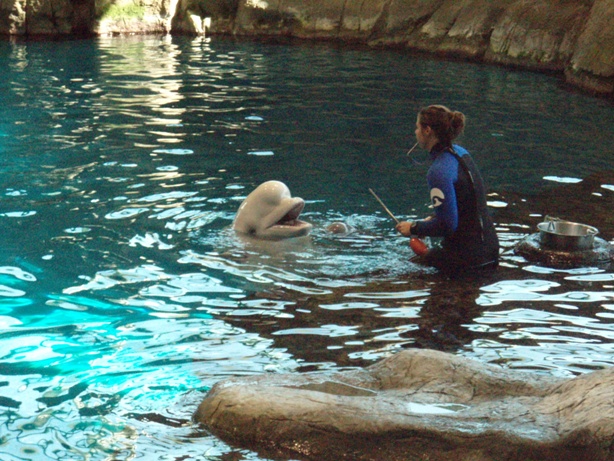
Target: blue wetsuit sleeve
(441,178)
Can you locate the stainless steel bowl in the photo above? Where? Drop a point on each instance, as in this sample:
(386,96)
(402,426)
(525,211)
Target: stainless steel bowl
(566,235)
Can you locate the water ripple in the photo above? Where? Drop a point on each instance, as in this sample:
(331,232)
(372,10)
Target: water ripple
(125,294)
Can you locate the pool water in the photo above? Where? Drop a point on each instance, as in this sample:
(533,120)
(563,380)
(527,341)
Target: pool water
(125,294)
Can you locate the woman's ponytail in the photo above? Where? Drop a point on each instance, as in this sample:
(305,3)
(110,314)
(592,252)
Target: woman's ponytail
(457,124)
(446,124)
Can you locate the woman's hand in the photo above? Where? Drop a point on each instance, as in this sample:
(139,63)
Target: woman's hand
(404,227)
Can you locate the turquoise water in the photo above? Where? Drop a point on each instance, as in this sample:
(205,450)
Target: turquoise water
(124,295)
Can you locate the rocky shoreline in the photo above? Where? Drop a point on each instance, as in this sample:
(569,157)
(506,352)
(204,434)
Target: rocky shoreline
(574,38)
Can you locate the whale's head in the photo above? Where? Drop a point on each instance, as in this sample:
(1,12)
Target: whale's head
(271,213)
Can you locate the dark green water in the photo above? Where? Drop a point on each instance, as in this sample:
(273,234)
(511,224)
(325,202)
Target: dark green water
(124,295)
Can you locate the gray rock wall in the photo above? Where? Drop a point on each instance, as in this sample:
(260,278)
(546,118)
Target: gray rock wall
(574,37)
(42,17)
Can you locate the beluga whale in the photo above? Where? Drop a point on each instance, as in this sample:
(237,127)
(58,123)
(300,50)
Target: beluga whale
(270,212)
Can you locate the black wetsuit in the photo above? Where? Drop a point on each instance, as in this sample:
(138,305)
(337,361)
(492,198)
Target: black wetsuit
(461,214)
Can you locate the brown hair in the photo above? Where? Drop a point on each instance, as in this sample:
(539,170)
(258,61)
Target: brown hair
(446,124)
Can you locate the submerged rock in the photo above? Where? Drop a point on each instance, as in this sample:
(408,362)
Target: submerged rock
(531,247)
(417,405)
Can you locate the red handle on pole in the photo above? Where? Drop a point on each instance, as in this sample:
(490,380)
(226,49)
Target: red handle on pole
(418,246)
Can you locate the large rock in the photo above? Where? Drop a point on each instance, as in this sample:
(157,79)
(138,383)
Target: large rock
(44,17)
(446,26)
(538,33)
(417,405)
(114,17)
(190,17)
(592,64)
(12,17)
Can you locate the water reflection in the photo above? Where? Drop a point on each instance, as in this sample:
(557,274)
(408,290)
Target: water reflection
(124,294)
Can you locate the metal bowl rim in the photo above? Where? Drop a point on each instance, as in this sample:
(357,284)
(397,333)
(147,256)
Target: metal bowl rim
(590,230)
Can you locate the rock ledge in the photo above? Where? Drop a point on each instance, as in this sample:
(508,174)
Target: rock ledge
(416,405)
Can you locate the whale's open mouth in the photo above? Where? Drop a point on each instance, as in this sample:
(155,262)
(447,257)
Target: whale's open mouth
(289,225)
(291,217)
